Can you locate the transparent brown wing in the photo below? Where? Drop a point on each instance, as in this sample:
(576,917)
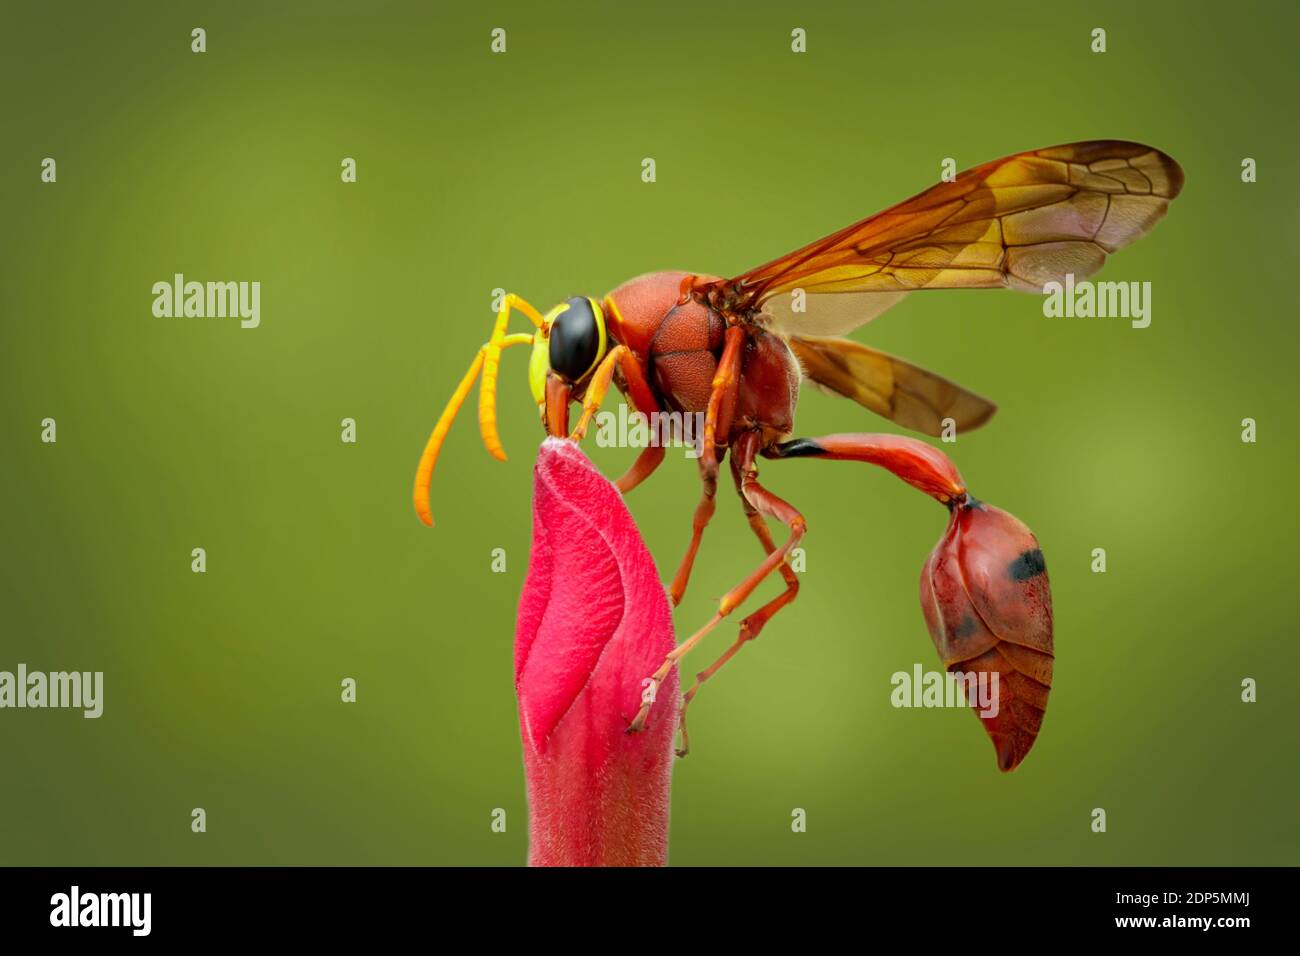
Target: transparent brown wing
(828,314)
(889,386)
(1017,222)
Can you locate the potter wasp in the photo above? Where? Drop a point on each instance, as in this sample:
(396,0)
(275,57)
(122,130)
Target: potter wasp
(737,350)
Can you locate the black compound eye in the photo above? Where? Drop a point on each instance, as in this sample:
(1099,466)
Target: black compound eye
(575,339)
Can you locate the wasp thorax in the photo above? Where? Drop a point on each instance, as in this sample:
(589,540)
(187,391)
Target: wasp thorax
(577,338)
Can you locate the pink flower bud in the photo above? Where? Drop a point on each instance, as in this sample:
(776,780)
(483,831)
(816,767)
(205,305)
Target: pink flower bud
(593,622)
(988,605)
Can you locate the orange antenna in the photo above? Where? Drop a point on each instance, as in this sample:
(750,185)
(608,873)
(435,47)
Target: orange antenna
(487,396)
(488,361)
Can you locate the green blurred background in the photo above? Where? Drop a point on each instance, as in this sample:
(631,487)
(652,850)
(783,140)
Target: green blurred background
(522,171)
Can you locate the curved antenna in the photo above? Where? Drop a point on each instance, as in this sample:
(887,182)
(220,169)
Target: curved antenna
(424,472)
(487,400)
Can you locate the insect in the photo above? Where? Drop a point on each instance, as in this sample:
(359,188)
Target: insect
(737,350)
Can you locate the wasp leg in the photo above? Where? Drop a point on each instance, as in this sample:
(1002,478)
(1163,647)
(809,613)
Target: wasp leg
(765,503)
(651,457)
(717,421)
(597,388)
(703,515)
(643,400)
(742,463)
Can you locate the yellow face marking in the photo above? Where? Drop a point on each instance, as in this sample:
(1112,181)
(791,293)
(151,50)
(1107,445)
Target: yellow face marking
(539,363)
(599,313)
(613,307)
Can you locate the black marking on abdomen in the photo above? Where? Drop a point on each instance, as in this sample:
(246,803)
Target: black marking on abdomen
(798,448)
(1029,565)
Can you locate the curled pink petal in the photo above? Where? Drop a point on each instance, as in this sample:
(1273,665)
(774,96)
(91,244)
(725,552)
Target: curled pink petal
(593,622)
